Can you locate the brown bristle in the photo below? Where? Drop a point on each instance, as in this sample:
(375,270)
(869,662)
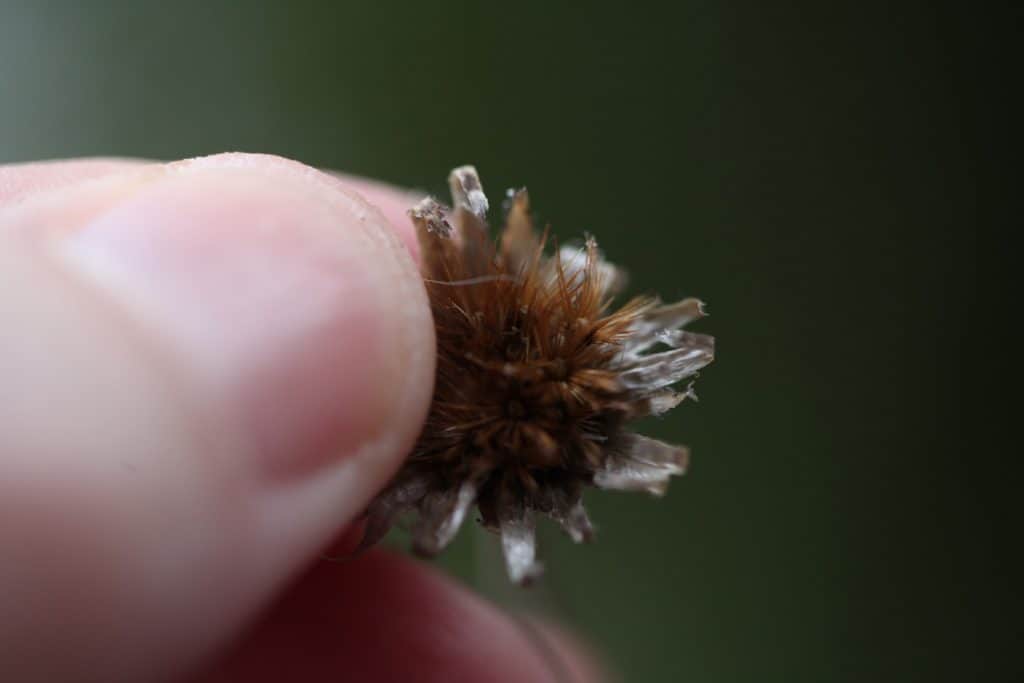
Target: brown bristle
(535,381)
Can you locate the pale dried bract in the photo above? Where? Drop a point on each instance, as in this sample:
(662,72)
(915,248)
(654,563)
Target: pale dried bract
(536,381)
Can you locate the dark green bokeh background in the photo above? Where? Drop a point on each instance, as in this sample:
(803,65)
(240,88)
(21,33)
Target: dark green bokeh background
(803,167)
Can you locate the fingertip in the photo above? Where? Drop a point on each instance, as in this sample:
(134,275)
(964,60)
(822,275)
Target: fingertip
(387,617)
(283,289)
(389,201)
(22,181)
(198,241)
(271,364)
(394,203)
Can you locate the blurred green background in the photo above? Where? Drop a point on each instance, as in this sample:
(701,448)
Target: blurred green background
(803,167)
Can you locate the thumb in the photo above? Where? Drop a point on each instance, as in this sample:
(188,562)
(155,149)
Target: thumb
(207,368)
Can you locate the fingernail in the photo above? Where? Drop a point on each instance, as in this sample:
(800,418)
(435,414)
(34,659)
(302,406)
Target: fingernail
(283,299)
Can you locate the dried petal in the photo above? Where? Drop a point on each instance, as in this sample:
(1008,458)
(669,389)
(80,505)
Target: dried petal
(646,331)
(677,339)
(576,261)
(647,466)
(519,543)
(674,315)
(388,505)
(467,192)
(575,522)
(650,451)
(630,476)
(662,403)
(441,515)
(660,370)
(437,238)
(519,243)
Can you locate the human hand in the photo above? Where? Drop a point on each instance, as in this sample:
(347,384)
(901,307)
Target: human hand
(207,369)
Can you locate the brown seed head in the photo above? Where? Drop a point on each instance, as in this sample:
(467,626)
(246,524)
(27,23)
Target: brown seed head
(536,380)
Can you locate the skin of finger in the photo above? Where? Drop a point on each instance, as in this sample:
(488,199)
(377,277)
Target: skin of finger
(577,659)
(391,203)
(384,617)
(120,552)
(394,202)
(19,182)
(74,503)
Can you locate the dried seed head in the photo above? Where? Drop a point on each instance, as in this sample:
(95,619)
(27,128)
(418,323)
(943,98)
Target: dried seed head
(536,380)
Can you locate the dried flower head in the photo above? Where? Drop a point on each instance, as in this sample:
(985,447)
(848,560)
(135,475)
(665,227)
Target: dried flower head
(536,381)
